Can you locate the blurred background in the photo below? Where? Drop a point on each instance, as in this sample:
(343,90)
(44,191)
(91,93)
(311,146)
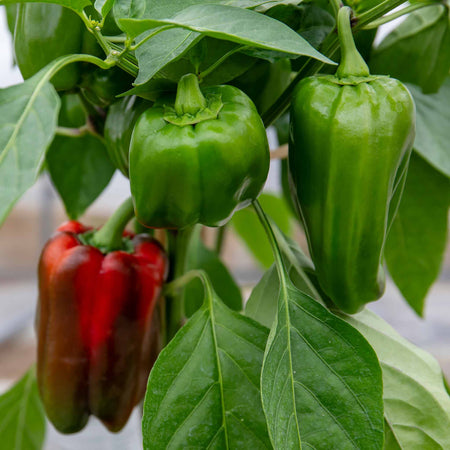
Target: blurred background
(39,212)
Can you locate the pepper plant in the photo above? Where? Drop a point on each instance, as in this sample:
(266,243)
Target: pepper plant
(177,96)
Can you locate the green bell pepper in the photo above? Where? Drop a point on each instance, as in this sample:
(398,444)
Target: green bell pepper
(100,87)
(199,159)
(351,138)
(119,125)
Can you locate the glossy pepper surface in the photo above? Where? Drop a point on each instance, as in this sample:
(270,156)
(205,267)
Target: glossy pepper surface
(96,325)
(351,138)
(119,125)
(198,160)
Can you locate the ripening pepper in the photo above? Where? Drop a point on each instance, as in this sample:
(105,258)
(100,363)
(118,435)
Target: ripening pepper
(350,141)
(199,159)
(98,331)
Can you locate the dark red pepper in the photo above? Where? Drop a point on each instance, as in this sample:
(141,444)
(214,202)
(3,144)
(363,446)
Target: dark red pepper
(97,330)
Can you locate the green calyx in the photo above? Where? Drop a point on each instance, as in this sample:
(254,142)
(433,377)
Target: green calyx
(352,63)
(191,106)
(110,236)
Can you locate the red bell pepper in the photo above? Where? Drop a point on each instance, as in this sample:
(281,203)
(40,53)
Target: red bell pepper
(97,334)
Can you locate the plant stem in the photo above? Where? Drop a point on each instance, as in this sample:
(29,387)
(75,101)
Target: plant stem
(281,269)
(352,63)
(109,237)
(72,132)
(176,302)
(220,61)
(116,39)
(174,286)
(220,238)
(397,14)
(63,61)
(150,35)
(336,6)
(189,99)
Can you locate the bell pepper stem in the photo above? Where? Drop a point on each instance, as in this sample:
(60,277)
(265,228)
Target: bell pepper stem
(220,237)
(174,286)
(109,237)
(176,312)
(281,268)
(189,99)
(220,61)
(328,48)
(352,63)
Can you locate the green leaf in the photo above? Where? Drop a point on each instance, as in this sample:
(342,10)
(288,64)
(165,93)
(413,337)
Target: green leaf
(203,391)
(11,14)
(416,243)
(28,119)
(234,24)
(103,6)
(22,419)
(433,132)
(139,9)
(362,5)
(321,382)
(247,226)
(416,404)
(262,304)
(161,49)
(417,51)
(76,5)
(309,20)
(79,167)
(204,54)
(80,170)
(202,258)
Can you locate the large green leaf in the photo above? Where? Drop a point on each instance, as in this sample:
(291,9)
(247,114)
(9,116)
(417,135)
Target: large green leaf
(79,167)
(161,49)
(28,119)
(417,51)
(203,391)
(165,47)
(22,419)
(433,132)
(316,367)
(416,404)
(262,304)
(246,224)
(202,258)
(151,9)
(416,243)
(76,5)
(233,24)
(80,170)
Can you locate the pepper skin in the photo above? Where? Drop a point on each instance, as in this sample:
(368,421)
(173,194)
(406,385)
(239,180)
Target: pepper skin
(44,32)
(100,87)
(97,333)
(350,142)
(199,161)
(119,124)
